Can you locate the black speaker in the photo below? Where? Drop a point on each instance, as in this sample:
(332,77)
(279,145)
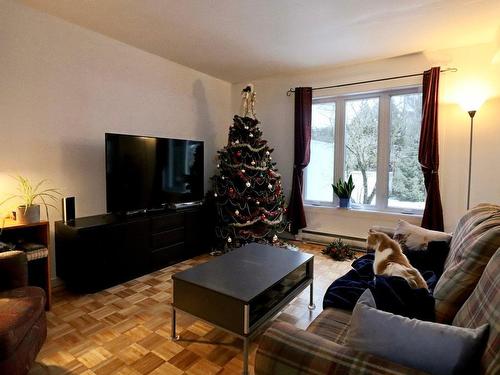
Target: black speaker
(68,209)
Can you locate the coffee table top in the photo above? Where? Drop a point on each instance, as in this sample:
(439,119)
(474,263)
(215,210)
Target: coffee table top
(246,272)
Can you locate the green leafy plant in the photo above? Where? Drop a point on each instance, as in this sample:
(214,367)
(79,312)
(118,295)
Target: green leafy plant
(339,250)
(344,189)
(31,194)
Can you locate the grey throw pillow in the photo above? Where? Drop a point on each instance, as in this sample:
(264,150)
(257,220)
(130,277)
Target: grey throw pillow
(431,347)
(413,237)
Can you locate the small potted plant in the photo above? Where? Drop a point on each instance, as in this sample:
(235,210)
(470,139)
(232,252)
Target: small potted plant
(31,196)
(343,190)
(339,250)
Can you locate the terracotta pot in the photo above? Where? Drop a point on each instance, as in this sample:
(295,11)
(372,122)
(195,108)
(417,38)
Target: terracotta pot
(28,215)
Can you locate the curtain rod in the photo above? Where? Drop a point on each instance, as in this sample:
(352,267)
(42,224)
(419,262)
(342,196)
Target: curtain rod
(291,91)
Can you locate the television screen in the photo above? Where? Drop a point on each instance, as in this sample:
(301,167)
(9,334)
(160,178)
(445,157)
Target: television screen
(149,172)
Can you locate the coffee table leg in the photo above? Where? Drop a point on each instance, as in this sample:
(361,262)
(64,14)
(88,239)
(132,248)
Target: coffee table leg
(245,355)
(175,337)
(311,306)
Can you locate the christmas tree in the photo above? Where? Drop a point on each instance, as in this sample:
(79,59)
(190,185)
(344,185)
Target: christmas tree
(247,188)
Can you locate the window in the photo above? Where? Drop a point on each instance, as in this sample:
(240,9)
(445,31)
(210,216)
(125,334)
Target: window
(373,138)
(320,168)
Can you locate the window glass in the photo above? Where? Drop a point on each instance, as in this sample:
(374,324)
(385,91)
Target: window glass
(406,184)
(361,127)
(319,172)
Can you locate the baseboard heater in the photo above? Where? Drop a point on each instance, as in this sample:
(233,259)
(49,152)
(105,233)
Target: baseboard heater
(337,235)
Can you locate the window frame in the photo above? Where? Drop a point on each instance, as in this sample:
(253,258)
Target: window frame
(383,147)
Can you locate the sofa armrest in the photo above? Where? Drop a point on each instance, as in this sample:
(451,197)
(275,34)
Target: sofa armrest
(13,270)
(285,349)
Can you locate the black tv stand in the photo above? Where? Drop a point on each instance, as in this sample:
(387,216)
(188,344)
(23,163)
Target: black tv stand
(96,252)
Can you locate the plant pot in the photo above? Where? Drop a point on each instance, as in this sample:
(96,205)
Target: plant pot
(28,215)
(345,202)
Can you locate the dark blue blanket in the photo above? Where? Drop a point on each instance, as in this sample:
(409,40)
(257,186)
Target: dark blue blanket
(391,293)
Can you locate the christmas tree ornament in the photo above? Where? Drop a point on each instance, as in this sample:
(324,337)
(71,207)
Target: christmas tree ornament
(229,239)
(236,212)
(223,177)
(275,238)
(269,186)
(242,171)
(246,127)
(267,152)
(257,203)
(248,184)
(251,135)
(253,162)
(218,165)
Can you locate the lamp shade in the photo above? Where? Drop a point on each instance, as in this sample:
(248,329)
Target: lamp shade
(471,99)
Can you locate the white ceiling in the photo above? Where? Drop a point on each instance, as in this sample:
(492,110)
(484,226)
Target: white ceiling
(240,40)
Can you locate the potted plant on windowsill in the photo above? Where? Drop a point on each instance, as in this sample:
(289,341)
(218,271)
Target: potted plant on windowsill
(343,190)
(32,197)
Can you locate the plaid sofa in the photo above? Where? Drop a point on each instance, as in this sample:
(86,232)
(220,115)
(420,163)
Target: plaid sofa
(466,295)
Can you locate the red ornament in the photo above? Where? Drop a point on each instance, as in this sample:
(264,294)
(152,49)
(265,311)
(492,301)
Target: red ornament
(238,153)
(263,217)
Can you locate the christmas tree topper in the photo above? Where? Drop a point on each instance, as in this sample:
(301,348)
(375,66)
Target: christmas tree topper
(248,101)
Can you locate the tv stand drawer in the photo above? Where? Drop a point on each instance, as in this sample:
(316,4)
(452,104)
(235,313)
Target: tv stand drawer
(164,223)
(167,238)
(168,255)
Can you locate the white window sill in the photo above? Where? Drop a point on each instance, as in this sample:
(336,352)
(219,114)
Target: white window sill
(359,211)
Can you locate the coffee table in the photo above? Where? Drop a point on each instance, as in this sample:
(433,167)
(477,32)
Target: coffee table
(241,290)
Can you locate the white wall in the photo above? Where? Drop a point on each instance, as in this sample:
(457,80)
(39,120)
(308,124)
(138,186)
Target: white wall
(62,87)
(275,111)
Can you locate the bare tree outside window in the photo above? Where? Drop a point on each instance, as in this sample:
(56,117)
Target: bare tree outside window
(361,124)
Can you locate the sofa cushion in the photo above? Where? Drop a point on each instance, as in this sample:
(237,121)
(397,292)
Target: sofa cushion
(435,348)
(332,324)
(413,237)
(483,307)
(475,240)
(19,309)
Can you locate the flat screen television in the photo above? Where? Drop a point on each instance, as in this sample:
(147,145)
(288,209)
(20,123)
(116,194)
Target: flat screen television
(146,173)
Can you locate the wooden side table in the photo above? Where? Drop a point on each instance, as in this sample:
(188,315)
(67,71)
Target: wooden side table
(38,260)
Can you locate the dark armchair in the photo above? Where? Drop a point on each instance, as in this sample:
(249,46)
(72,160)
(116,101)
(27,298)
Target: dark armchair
(23,326)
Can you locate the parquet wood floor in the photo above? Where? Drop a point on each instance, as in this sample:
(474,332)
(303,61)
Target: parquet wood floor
(125,330)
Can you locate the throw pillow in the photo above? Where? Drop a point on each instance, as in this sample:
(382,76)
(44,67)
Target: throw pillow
(412,237)
(431,260)
(431,347)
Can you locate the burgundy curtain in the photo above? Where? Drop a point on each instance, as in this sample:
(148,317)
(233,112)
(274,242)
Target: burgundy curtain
(428,151)
(303,111)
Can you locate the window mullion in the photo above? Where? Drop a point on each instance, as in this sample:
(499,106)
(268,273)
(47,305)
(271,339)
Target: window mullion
(339,142)
(383,153)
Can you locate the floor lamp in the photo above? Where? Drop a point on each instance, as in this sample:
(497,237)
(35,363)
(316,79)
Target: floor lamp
(472,113)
